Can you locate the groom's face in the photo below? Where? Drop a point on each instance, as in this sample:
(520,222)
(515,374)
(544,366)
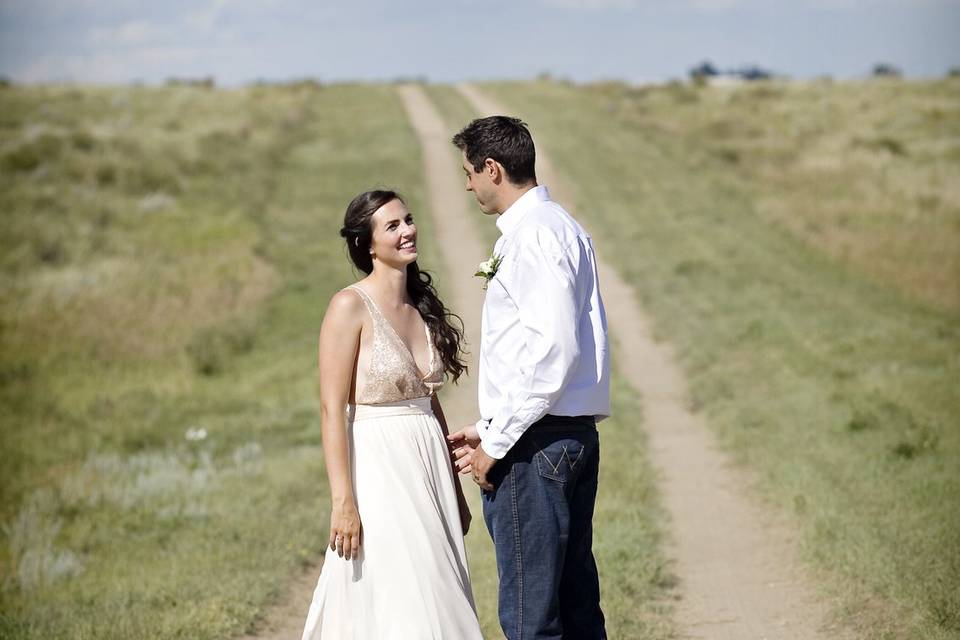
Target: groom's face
(481,184)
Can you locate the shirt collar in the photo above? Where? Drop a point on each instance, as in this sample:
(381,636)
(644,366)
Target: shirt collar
(509,219)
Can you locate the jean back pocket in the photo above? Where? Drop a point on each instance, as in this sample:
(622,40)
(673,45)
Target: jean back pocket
(558,459)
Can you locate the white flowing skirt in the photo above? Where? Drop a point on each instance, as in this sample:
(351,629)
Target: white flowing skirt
(411,580)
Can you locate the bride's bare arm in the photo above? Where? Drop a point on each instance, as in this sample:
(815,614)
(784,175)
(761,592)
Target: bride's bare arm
(338,346)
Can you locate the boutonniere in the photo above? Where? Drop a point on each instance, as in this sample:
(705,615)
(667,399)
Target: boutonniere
(488,268)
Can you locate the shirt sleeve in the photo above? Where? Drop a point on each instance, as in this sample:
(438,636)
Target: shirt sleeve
(543,285)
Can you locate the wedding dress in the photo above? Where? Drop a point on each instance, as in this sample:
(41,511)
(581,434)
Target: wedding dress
(410,581)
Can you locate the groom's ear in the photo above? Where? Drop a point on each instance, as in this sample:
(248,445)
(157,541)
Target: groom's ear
(494,170)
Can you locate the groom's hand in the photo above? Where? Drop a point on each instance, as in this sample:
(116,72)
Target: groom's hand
(482,463)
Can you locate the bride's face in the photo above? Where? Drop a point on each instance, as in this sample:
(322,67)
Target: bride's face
(394,235)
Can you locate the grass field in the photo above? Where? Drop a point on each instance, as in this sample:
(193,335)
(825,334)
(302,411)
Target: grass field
(167,257)
(798,243)
(168,254)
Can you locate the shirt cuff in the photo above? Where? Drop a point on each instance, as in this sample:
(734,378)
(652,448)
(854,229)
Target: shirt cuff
(495,444)
(488,439)
(483,425)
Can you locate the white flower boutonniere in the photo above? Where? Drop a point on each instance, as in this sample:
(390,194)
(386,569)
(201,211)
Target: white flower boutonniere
(488,268)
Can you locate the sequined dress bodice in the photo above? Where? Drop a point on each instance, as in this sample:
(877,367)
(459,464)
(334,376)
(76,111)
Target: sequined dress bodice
(392,374)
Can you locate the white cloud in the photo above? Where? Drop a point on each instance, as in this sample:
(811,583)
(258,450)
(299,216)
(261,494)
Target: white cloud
(111,68)
(204,19)
(128,34)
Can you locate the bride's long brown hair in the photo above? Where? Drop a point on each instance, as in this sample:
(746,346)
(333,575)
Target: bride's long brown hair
(445,327)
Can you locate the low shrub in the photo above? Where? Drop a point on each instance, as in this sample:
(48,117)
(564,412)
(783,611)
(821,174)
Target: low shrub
(210,349)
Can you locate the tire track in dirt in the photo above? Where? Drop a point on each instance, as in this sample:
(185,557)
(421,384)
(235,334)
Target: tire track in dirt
(461,250)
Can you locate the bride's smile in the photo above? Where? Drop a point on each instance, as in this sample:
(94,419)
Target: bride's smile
(394,237)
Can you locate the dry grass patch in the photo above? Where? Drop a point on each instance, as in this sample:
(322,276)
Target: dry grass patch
(105,309)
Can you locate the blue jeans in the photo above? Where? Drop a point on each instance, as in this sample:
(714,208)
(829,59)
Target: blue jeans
(540,516)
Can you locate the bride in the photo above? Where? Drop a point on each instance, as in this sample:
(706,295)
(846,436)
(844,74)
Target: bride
(396,566)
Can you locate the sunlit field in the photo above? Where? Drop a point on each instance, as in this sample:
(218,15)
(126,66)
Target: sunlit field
(799,243)
(167,257)
(168,253)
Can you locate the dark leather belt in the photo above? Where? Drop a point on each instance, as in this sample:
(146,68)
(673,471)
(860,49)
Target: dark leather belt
(564,423)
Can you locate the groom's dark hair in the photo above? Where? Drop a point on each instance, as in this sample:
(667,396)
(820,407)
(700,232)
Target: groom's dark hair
(504,139)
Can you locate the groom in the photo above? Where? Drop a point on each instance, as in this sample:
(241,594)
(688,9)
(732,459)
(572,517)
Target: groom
(544,382)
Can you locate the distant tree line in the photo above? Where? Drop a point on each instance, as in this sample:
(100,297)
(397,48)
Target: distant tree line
(707,70)
(886,70)
(206,82)
(292,83)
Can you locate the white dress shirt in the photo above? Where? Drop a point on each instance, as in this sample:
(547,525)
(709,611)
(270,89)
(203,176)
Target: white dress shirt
(544,345)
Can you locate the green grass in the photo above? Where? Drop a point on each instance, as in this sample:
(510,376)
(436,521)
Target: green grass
(168,254)
(824,370)
(167,258)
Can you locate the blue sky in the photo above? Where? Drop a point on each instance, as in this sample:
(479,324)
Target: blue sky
(447,40)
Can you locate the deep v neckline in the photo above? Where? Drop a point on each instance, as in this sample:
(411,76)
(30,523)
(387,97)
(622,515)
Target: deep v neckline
(396,334)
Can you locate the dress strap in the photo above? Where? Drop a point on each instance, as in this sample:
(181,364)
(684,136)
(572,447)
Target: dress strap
(368,302)
(430,348)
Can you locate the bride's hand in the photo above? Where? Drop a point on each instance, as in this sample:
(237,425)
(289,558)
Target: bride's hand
(345,530)
(461,444)
(467,435)
(462,458)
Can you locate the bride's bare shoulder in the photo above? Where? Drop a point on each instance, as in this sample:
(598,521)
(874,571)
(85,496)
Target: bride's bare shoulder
(345,306)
